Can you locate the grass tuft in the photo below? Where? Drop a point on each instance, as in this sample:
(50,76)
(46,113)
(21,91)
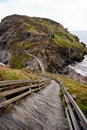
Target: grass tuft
(79,89)
(74,87)
(15,74)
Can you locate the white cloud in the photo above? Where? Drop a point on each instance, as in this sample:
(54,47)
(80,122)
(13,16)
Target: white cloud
(71,13)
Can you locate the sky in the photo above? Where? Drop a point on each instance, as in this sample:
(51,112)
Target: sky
(72,14)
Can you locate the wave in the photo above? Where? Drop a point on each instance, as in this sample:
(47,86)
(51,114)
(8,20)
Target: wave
(81,67)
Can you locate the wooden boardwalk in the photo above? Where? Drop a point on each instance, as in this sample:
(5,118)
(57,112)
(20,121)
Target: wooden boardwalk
(41,110)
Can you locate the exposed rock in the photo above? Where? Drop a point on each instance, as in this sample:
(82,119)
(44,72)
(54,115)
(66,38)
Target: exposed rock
(43,38)
(5,57)
(75,76)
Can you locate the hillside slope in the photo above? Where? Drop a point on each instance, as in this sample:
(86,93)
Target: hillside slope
(44,38)
(15,74)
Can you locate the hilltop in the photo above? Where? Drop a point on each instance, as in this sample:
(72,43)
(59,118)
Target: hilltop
(46,40)
(43,38)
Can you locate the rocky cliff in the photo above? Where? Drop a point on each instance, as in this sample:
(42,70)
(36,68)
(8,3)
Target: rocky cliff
(43,38)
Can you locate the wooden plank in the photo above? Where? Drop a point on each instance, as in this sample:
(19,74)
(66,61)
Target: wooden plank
(73,118)
(5,103)
(72,115)
(75,106)
(68,118)
(78,110)
(13,91)
(40,87)
(5,83)
(13,82)
(6,88)
(8,92)
(46,84)
(37,85)
(15,85)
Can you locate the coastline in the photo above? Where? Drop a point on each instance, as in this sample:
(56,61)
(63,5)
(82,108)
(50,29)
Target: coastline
(76,76)
(81,67)
(78,71)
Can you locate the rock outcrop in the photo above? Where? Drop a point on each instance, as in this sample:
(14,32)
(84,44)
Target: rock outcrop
(43,38)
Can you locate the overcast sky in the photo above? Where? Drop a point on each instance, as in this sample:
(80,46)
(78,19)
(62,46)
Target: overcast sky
(72,14)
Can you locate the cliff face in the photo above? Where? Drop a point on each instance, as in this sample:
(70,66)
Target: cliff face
(44,38)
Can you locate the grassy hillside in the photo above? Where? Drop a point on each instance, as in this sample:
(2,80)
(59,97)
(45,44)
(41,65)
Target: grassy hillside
(79,89)
(74,87)
(62,36)
(44,38)
(14,74)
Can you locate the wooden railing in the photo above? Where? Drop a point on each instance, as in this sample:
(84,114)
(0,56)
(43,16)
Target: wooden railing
(13,82)
(11,91)
(76,118)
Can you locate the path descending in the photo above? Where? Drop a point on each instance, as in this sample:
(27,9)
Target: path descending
(38,111)
(38,61)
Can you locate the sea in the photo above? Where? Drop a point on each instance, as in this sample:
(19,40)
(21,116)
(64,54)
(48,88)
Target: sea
(81,67)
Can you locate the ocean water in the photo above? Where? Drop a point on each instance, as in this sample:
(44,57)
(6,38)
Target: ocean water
(81,67)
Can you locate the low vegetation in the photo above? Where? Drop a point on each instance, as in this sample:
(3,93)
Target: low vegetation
(27,45)
(30,27)
(79,89)
(15,74)
(45,38)
(74,87)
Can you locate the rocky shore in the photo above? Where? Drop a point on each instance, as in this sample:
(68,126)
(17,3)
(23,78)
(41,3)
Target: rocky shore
(76,76)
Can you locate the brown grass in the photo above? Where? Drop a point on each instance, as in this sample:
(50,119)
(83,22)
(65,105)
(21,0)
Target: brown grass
(14,74)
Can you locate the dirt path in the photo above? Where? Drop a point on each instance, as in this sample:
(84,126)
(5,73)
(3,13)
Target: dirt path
(38,61)
(38,111)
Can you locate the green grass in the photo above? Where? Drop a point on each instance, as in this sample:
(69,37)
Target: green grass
(79,89)
(60,41)
(62,36)
(15,74)
(30,27)
(27,45)
(74,87)
(63,41)
(11,74)
(19,57)
(16,62)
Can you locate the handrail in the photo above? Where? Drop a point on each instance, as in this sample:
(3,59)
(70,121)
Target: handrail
(12,82)
(76,118)
(78,114)
(20,92)
(77,109)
